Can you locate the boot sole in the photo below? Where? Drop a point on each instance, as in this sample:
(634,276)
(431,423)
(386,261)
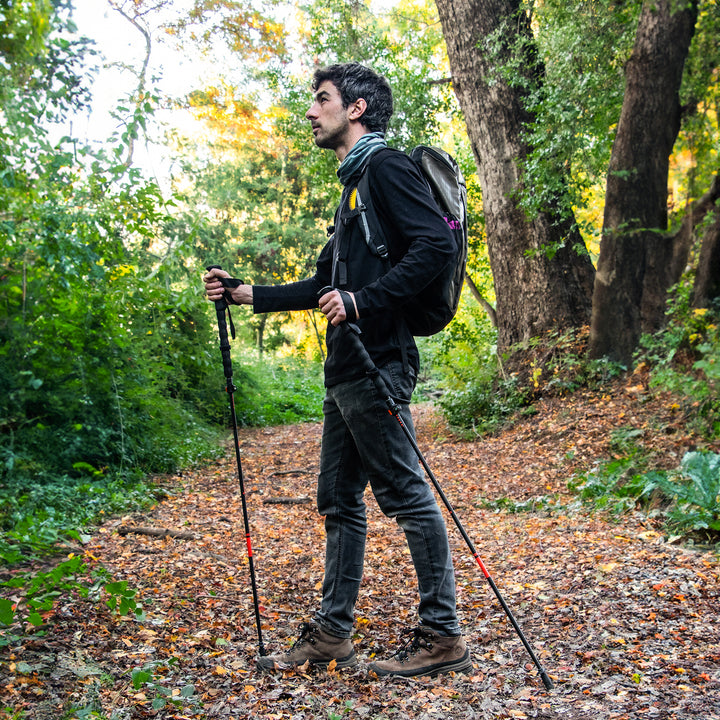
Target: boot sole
(264,663)
(461,665)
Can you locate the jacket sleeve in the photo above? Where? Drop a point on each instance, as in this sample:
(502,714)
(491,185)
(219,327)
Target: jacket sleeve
(419,240)
(301,295)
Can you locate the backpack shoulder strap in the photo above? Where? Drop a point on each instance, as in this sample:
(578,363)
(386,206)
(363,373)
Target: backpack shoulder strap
(368,216)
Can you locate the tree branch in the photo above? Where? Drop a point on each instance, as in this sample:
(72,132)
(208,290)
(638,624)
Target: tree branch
(489,309)
(141,76)
(155,532)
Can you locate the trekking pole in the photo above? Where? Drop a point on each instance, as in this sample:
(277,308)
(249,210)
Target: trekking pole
(353,332)
(221,307)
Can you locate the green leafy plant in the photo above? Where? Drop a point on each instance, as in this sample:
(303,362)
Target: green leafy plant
(694,489)
(280,391)
(515,507)
(35,594)
(38,592)
(37,515)
(155,676)
(687,497)
(484,406)
(121,599)
(615,486)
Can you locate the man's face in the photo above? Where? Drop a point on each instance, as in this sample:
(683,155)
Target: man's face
(328,118)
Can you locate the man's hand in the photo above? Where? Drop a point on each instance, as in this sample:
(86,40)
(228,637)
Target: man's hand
(332,305)
(241,295)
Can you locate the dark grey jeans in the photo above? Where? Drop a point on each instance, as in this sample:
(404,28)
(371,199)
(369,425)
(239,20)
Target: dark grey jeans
(362,442)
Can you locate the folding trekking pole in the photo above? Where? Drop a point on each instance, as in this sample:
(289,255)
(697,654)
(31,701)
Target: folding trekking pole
(353,332)
(221,306)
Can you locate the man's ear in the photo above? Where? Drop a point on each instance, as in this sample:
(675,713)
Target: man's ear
(357,109)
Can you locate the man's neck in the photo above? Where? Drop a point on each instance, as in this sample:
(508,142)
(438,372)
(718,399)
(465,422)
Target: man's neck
(355,132)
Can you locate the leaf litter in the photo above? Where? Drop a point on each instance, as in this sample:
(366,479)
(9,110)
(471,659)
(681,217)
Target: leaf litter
(624,622)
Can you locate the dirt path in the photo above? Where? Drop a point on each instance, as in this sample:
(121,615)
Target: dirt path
(625,624)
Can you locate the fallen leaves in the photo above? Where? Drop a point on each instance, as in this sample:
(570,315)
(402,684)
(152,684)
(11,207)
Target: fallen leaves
(624,623)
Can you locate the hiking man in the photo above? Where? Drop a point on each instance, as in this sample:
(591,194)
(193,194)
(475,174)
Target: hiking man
(361,441)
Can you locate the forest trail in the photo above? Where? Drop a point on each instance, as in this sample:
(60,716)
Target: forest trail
(624,623)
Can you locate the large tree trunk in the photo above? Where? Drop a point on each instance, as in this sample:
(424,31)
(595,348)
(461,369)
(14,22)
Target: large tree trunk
(535,290)
(635,264)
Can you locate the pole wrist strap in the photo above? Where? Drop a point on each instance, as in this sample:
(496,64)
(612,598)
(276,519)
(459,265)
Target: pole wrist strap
(230,284)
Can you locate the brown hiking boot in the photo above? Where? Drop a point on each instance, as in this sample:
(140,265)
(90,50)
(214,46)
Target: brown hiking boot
(426,653)
(314,646)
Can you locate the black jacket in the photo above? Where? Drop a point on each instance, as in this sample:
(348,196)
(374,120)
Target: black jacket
(419,243)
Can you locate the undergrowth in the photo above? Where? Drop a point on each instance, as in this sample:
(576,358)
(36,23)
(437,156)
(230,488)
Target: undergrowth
(684,359)
(279,391)
(685,499)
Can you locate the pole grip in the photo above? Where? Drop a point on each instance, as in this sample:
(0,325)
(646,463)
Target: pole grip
(220,308)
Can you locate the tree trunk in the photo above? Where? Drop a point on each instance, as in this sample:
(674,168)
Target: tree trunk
(535,290)
(636,255)
(707,278)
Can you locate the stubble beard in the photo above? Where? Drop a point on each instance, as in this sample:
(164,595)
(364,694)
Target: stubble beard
(334,137)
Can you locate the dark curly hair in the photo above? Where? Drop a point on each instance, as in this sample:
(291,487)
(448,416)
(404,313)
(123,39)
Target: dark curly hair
(354,81)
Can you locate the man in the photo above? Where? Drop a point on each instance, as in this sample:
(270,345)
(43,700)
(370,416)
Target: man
(361,441)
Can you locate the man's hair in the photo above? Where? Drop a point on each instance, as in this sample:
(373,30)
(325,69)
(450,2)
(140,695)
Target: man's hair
(355,81)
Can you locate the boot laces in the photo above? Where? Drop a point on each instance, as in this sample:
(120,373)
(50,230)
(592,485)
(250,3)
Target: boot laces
(308,631)
(417,640)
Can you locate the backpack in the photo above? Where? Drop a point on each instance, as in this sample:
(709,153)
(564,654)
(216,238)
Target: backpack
(434,306)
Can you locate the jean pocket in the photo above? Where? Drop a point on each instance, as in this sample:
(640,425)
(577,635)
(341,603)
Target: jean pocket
(401,384)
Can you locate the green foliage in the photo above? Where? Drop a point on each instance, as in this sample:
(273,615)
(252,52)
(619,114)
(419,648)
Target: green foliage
(38,514)
(683,359)
(687,497)
(570,70)
(694,491)
(531,505)
(39,592)
(462,363)
(575,107)
(156,679)
(698,97)
(484,406)
(624,482)
(281,391)
(107,351)
(615,486)
(121,599)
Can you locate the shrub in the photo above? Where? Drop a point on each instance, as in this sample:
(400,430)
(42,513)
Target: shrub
(694,490)
(684,359)
(484,405)
(280,391)
(688,497)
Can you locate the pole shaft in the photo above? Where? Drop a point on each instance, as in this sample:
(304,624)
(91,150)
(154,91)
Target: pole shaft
(246,523)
